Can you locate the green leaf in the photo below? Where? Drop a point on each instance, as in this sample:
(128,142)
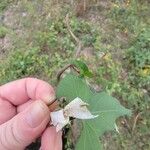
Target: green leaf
(71,87)
(84,70)
(102,104)
(89,139)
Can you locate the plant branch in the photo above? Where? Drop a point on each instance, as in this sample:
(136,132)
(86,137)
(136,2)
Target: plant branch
(79,47)
(135,121)
(64,69)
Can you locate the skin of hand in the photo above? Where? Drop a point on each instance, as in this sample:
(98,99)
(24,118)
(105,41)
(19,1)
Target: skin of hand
(24,115)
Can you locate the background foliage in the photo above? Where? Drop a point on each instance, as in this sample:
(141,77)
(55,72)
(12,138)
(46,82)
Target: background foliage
(115,37)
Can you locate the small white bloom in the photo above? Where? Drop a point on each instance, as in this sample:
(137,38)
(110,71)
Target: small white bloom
(58,119)
(76,108)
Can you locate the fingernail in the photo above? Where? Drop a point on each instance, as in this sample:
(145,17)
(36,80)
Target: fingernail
(49,98)
(36,114)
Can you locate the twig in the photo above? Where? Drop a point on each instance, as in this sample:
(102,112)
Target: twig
(64,69)
(79,47)
(61,72)
(77,52)
(84,5)
(135,121)
(75,69)
(126,125)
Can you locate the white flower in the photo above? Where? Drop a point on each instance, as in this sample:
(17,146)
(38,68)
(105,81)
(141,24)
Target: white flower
(58,119)
(76,108)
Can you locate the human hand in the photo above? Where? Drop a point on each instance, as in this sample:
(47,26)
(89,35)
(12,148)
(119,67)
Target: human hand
(24,115)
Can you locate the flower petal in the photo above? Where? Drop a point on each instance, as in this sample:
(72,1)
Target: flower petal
(78,109)
(58,119)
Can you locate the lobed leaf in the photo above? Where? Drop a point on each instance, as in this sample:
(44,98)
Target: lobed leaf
(102,104)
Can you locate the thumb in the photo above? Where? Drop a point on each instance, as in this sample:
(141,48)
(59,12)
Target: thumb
(25,127)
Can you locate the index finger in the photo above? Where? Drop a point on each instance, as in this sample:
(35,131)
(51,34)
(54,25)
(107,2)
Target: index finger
(20,91)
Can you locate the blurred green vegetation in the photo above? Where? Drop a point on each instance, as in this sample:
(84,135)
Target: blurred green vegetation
(3,31)
(120,59)
(4,4)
